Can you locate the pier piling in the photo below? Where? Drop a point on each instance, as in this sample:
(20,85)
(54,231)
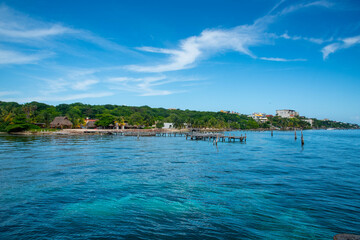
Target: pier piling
(302,138)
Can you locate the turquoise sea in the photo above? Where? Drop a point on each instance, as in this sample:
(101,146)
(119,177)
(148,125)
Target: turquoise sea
(115,187)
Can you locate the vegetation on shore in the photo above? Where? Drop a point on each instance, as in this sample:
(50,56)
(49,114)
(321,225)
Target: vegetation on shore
(16,117)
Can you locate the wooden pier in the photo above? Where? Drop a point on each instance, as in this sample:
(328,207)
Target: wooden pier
(215,137)
(191,135)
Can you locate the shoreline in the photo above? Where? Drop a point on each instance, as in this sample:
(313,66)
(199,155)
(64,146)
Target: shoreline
(81,132)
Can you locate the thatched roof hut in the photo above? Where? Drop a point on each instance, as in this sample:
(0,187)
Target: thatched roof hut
(90,124)
(61,122)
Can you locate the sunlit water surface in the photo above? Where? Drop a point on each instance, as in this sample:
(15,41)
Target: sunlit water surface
(114,187)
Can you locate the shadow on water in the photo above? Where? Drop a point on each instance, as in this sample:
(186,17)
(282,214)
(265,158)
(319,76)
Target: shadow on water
(19,138)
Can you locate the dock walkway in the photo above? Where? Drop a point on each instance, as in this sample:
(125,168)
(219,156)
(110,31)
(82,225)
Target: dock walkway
(215,137)
(194,135)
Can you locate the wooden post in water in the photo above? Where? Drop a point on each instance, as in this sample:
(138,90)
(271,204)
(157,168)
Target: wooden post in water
(295,134)
(245,137)
(272,134)
(302,138)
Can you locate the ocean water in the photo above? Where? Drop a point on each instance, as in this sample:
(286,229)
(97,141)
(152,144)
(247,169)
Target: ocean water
(114,187)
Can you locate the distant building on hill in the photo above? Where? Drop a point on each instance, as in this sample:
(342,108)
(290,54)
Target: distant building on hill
(259,117)
(224,111)
(310,121)
(287,113)
(229,112)
(168,126)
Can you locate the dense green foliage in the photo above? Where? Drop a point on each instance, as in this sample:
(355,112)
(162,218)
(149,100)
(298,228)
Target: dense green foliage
(20,124)
(20,117)
(159,124)
(105,120)
(288,122)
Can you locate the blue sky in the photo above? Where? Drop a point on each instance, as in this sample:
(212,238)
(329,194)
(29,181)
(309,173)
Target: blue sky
(245,56)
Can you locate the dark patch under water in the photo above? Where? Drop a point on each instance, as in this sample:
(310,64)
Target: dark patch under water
(113,187)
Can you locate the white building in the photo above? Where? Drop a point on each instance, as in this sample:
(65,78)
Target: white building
(310,121)
(286,113)
(259,117)
(168,126)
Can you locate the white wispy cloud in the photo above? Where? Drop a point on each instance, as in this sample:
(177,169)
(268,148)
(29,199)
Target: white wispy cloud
(209,42)
(84,85)
(282,59)
(81,96)
(7,93)
(331,48)
(342,44)
(15,25)
(67,79)
(295,7)
(77,80)
(57,98)
(68,83)
(5,31)
(309,39)
(213,41)
(279,10)
(147,86)
(24,32)
(143,86)
(13,57)
(82,80)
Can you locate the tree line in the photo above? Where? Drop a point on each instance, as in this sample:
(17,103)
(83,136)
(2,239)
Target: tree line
(19,117)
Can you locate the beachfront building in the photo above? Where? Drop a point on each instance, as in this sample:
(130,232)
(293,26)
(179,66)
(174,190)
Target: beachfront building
(168,126)
(287,113)
(259,117)
(310,121)
(61,122)
(90,123)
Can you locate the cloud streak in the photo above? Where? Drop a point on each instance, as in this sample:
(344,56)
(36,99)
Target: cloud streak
(36,33)
(72,80)
(212,41)
(12,57)
(84,85)
(7,93)
(309,39)
(342,44)
(142,86)
(147,86)
(24,32)
(282,59)
(16,27)
(208,43)
(61,98)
